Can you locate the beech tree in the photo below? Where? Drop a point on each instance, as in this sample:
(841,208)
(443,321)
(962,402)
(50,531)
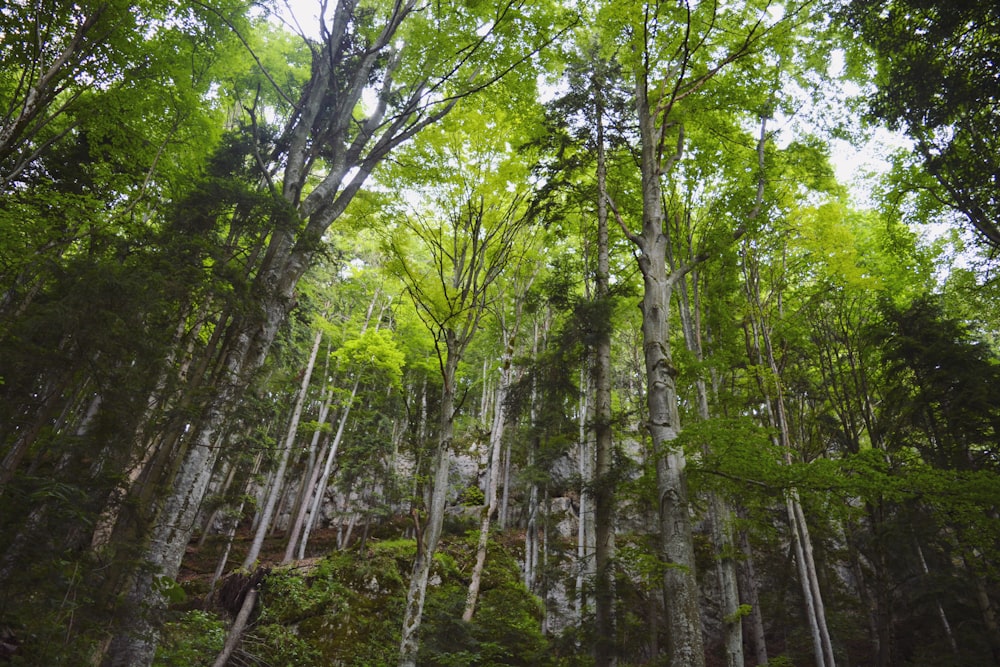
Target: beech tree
(941,90)
(468,237)
(674,54)
(329,140)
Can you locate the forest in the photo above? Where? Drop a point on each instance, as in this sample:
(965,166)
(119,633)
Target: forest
(561,333)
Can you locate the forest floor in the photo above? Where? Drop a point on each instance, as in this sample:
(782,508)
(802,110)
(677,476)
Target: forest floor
(202,557)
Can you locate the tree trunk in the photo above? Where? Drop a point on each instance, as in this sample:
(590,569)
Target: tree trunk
(813,575)
(319,492)
(317,451)
(605,647)
(289,442)
(812,613)
(173,518)
(236,631)
(505,497)
(206,527)
(234,523)
(496,444)
(585,544)
(751,587)
(719,513)
(686,647)
(531,533)
(945,625)
(426,547)
(809,580)
(986,609)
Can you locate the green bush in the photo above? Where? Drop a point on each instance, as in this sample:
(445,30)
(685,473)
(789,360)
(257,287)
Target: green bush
(195,638)
(348,609)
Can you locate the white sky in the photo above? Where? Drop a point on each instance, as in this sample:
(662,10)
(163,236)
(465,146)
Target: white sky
(857,167)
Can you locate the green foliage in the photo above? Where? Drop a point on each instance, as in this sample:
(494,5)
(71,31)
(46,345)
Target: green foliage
(281,645)
(170,589)
(506,629)
(472,496)
(194,638)
(741,612)
(374,353)
(348,608)
(941,88)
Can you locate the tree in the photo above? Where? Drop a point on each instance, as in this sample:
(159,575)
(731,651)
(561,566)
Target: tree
(935,75)
(674,54)
(468,236)
(580,144)
(328,126)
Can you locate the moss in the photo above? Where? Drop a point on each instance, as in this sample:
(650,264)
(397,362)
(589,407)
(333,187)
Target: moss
(348,609)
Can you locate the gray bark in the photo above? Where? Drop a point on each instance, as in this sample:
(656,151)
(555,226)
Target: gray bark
(234,522)
(686,648)
(316,452)
(754,622)
(585,544)
(604,484)
(426,547)
(287,444)
(319,492)
(236,632)
(496,445)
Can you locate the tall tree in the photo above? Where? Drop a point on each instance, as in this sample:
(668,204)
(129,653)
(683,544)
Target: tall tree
(674,53)
(941,89)
(330,144)
(468,236)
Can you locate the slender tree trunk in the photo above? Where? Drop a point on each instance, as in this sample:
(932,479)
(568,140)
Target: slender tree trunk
(686,647)
(206,527)
(505,497)
(814,580)
(812,613)
(751,587)
(531,524)
(531,534)
(585,530)
(945,625)
(426,547)
(51,405)
(312,474)
(815,610)
(719,514)
(320,491)
(250,599)
(605,648)
(287,444)
(496,444)
(236,633)
(234,523)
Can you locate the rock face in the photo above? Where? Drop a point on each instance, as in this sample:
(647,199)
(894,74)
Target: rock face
(558,516)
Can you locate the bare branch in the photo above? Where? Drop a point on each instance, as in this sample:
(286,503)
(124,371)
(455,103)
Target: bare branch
(621,223)
(253,54)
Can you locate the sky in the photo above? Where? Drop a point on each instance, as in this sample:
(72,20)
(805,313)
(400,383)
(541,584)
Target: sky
(856,166)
